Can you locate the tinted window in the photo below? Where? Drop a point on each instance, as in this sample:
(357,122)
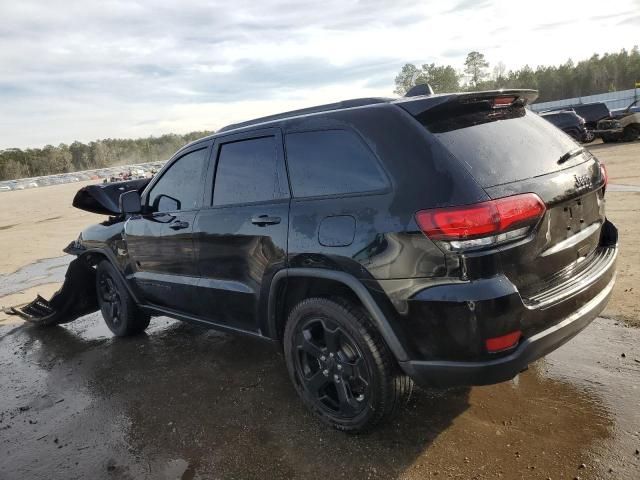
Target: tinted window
(249,171)
(331,162)
(180,187)
(592,112)
(499,146)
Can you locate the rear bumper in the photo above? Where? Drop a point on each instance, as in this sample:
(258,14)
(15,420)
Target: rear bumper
(458,373)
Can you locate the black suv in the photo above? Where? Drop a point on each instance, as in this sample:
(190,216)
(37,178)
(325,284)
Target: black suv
(570,123)
(444,239)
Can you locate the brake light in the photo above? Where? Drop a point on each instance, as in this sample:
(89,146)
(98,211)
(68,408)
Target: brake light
(503,101)
(482,224)
(504,342)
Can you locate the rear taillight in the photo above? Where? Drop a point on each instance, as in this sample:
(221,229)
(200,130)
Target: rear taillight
(605,176)
(482,224)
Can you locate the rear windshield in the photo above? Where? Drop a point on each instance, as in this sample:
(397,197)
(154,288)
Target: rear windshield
(592,112)
(499,146)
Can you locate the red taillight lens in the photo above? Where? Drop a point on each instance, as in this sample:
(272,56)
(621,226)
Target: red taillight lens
(503,101)
(490,220)
(504,342)
(517,210)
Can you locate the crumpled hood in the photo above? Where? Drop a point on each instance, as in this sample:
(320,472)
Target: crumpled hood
(104,198)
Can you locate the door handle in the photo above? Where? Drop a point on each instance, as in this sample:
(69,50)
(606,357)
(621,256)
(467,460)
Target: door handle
(179,225)
(263,220)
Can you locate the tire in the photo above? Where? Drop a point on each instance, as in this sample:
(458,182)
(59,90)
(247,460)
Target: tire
(589,137)
(119,311)
(340,365)
(631,133)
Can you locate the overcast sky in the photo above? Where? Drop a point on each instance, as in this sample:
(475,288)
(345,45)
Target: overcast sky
(80,70)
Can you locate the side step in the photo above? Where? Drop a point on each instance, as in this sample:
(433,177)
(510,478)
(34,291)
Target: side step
(76,298)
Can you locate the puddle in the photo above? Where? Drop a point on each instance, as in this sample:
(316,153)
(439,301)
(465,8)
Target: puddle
(183,401)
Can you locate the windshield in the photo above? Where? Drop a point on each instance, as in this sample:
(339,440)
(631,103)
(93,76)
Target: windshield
(499,146)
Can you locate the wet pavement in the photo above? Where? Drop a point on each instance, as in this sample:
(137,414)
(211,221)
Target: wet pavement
(48,270)
(185,402)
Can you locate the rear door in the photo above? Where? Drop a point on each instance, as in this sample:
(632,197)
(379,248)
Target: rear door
(241,236)
(160,241)
(511,151)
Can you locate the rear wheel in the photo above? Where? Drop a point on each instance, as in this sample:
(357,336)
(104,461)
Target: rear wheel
(341,367)
(119,311)
(631,133)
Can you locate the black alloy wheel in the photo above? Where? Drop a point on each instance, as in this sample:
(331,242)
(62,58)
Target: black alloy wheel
(111,301)
(120,312)
(331,367)
(340,365)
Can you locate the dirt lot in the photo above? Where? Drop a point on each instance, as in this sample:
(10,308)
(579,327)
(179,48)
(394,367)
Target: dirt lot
(183,402)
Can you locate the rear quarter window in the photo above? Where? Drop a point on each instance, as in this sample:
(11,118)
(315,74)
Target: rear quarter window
(331,162)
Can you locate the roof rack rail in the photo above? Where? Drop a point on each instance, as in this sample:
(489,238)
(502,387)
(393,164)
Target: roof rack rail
(356,102)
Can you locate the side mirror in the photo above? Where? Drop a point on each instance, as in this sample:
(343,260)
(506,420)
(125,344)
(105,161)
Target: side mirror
(130,202)
(165,203)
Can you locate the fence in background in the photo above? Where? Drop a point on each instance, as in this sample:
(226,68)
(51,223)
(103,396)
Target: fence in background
(613,100)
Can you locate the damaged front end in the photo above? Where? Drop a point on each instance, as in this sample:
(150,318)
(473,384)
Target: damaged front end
(77,296)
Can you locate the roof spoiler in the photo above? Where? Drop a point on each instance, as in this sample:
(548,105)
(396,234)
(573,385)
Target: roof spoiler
(499,98)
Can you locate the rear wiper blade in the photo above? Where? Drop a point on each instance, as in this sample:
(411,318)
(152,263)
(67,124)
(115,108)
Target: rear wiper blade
(570,154)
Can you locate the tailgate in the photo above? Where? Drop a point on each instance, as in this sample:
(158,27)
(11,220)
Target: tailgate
(568,235)
(510,150)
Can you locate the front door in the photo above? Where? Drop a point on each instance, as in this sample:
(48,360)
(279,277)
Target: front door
(241,238)
(160,240)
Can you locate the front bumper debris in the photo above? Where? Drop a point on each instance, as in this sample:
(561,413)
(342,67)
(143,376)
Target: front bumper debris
(76,297)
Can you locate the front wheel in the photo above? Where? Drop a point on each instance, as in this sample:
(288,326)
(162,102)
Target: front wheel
(589,137)
(119,311)
(341,367)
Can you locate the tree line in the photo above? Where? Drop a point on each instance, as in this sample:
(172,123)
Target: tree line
(598,74)
(35,162)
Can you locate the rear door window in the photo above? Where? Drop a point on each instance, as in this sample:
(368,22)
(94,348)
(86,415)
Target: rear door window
(249,171)
(331,162)
(499,146)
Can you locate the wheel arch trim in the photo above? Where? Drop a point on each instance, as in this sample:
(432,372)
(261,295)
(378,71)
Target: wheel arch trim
(378,318)
(110,257)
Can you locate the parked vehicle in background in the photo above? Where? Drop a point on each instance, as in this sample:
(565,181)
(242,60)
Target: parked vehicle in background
(632,108)
(378,241)
(623,126)
(626,122)
(570,123)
